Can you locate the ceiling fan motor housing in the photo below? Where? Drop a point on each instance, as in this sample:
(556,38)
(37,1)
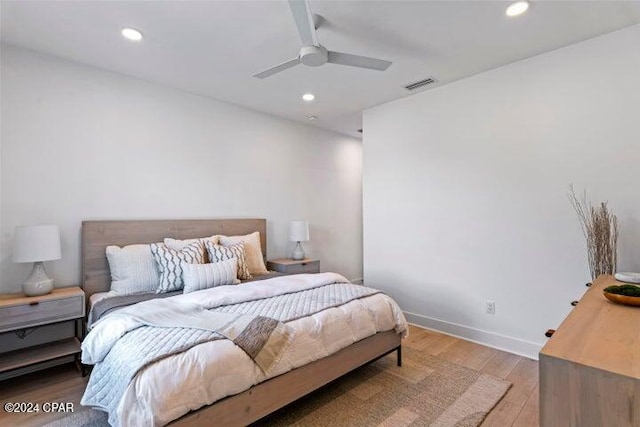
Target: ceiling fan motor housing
(313,56)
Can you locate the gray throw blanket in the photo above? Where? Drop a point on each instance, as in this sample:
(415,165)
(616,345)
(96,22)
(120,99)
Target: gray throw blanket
(107,305)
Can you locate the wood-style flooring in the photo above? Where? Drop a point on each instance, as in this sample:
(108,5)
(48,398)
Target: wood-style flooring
(519,407)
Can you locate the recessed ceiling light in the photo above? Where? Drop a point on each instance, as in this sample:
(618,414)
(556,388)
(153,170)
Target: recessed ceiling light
(517,8)
(308,97)
(132,34)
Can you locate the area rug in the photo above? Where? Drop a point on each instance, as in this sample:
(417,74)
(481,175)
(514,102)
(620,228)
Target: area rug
(425,391)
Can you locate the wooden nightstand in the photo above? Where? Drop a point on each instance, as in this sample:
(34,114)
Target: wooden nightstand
(22,315)
(291,266)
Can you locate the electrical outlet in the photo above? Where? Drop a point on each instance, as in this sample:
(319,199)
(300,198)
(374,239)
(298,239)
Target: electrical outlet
(490,307)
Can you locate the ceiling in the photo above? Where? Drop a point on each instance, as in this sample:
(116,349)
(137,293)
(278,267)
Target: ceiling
(213,48)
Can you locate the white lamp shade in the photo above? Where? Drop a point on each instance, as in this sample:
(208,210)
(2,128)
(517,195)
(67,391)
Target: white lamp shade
(34,243)
(299,231)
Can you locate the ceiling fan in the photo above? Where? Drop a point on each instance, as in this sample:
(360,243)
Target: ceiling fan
(312,53)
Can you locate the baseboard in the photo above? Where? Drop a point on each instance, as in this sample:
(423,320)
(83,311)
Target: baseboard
(490,339)
(357,281)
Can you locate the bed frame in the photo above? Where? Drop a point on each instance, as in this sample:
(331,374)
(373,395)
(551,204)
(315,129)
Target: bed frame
(264,398)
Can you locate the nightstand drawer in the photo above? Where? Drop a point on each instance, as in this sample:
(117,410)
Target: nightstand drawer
(307,267)
(294,267)
(41,312)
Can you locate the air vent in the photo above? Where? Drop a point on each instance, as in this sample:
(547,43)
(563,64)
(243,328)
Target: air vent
(426,82)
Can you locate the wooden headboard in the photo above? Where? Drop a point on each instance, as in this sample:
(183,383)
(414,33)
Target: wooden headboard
(97,235)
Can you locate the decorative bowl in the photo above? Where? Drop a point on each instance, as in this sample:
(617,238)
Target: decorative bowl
(622,299)
(628,277)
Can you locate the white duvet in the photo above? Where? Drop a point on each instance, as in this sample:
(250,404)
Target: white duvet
(171,387)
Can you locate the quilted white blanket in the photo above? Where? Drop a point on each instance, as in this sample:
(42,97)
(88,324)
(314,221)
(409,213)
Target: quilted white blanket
(171,387)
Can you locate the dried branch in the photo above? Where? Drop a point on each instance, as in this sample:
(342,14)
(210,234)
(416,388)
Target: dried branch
(600,229)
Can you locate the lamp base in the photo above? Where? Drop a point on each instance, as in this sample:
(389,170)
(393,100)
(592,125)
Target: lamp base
(38,283)
(298,252)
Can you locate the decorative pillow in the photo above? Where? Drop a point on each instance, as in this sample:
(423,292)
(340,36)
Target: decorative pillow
(204,276)
(133,269)
(170,261)
(219,253)
(252,250)
(178,245)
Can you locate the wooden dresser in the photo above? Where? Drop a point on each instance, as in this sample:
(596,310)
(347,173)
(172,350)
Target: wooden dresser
(590,368)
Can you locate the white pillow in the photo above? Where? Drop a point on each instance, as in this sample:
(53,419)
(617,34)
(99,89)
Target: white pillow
(178,245)
(252,250)
(133,269)
(170,263)
(204,276)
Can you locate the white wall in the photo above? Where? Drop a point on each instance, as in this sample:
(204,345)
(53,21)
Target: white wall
(465,189)
(80,143)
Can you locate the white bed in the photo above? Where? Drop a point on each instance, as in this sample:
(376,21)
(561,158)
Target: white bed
(216,375)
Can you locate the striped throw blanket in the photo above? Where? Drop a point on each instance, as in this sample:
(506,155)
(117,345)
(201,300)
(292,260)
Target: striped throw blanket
(262,338)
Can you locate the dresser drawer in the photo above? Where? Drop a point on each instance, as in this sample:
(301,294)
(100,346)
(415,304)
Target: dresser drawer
(41,312)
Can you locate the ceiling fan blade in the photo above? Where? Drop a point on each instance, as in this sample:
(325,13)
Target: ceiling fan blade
(358,61)
(304,21)
(277,68)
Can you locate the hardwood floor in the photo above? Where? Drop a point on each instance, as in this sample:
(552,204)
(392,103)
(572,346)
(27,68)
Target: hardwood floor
(60,384)
(519,407)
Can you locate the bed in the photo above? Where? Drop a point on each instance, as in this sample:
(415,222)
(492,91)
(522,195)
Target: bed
(299,374)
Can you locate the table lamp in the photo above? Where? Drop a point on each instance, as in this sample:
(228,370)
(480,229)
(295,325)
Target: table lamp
(37,243)
(298,232)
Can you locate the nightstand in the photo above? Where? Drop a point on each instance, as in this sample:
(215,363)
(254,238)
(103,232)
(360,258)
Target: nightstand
(292,266)
(22,315)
